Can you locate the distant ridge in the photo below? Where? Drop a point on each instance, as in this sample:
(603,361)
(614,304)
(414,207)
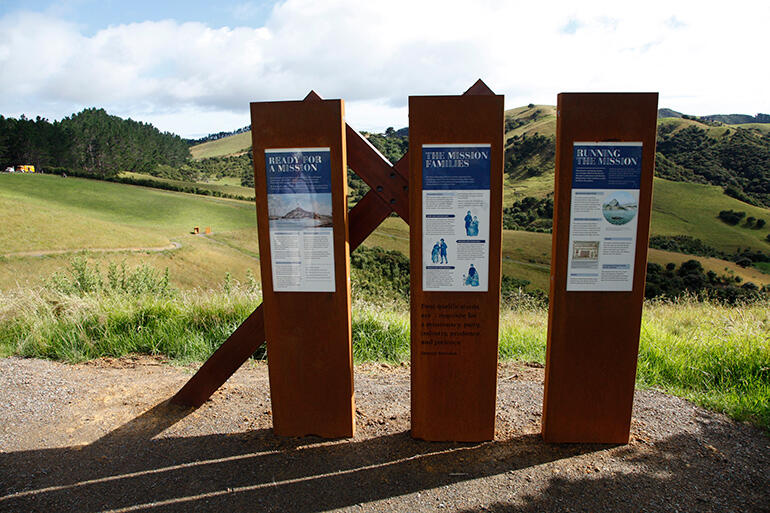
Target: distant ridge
(728,119)
(669,113)
(217,136)
(739,119)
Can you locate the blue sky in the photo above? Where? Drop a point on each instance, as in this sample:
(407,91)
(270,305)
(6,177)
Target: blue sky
(94,15)
(192,67)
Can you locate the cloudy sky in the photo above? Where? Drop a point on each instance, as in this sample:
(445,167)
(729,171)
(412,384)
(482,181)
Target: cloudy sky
(192,67)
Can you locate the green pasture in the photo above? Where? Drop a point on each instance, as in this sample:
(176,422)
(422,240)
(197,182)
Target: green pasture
(158,212)
(762,127)
(539,186)
(48,213)
(679,124)
(680,208)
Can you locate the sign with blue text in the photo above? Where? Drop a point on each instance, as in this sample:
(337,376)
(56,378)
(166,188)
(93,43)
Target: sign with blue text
(455,217)
(299,202)
(603,215)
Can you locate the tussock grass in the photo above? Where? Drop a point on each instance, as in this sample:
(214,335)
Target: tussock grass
(714,355)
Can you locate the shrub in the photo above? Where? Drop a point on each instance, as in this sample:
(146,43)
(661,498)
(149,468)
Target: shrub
(731,216)
(84,279)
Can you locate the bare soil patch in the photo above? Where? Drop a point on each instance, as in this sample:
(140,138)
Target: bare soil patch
(101,437)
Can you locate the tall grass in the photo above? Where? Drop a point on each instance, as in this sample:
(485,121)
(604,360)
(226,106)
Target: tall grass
(186,327)
(714,355)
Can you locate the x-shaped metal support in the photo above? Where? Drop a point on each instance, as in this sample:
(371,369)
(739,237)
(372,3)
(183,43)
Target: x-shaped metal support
(389,193)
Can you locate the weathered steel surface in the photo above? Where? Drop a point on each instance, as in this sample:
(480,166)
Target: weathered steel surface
(453,396)
(593,337)
(364,218)
(308,333)
(378,174)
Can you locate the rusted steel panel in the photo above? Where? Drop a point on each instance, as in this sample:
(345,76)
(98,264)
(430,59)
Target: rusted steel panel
(308,333)
(593,337)
(454,390)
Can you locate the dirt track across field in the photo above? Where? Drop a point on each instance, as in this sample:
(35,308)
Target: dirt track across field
(101,437)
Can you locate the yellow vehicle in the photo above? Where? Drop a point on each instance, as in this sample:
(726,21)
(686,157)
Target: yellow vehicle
(25,169)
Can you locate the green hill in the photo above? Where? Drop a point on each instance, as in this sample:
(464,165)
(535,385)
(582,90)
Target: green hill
(46,213)
(680,208)
(530,120)
(232,145)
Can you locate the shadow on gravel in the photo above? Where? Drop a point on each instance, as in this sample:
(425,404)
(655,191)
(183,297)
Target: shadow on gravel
(131,470)
(680,473)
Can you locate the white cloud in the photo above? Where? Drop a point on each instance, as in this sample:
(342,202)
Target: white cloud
(702,59)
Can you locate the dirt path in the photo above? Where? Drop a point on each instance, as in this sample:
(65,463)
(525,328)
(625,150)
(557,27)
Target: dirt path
(100,437)
(172,246)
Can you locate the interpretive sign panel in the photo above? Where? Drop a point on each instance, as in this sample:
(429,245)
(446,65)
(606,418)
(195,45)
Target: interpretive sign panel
(299,202)
(300,177)
(603,215)
(456,164)
(455,210)
(605,157)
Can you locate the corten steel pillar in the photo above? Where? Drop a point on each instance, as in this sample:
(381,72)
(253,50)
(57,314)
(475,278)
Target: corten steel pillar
(308,333)
(593,335)
(456,162)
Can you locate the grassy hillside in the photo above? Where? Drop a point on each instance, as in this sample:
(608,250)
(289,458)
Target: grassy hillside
(538,119)
(674,125)
(43,212)
(159,212)
(231,145)
(103,215)
(680,208)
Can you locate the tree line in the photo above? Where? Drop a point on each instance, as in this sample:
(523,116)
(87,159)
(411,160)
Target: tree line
(90,141)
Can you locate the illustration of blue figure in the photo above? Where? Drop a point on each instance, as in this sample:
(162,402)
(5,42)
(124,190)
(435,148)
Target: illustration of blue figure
(473,228)
(468,221)
(442,251)
(435,253)
(473,277)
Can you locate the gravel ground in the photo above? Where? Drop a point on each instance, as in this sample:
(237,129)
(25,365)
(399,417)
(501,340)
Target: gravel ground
(101,437)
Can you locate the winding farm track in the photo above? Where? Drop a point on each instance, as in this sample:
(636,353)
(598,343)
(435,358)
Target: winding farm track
(170,247)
